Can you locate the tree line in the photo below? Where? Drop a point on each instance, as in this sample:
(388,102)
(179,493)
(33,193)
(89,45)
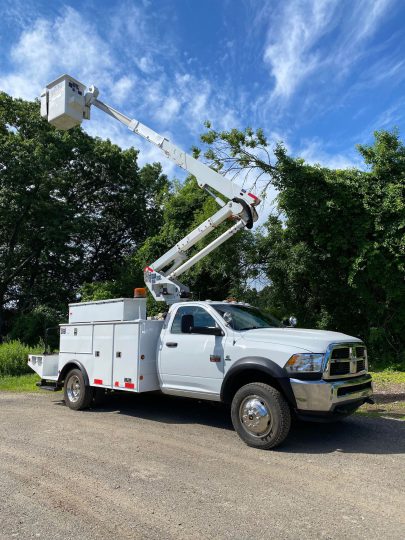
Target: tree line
(79,219)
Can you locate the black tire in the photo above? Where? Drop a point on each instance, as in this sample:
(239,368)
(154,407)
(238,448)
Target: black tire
(77,395)
(260,415)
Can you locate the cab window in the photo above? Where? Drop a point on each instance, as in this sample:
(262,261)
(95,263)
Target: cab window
(188,316)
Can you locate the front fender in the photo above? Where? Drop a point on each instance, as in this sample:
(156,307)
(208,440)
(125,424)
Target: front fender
(260,364)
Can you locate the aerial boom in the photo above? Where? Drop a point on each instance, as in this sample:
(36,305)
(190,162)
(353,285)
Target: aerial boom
(65,103)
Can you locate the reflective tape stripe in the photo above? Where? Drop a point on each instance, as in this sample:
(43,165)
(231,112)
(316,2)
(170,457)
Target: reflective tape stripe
(129,385)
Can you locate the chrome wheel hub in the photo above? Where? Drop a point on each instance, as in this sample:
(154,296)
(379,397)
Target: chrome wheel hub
(254,414)
(73,389)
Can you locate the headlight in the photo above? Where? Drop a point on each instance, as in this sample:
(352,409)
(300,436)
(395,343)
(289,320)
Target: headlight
(304,363)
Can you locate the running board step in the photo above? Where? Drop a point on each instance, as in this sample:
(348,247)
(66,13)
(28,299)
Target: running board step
(52,386)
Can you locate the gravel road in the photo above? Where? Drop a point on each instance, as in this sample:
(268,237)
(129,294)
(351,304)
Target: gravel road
(164,467)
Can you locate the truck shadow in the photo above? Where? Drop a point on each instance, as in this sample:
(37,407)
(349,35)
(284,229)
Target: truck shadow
(357,434)
(360,433)
(168,409)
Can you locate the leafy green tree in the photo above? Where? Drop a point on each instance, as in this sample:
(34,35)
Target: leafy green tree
(72,208)
(335,252)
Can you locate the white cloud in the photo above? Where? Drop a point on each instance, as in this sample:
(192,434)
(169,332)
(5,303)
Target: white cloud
(290,50)
(146,64)
(168,111)
(296,48)
(201,102)
(123,88)
(391,117)
(313,151)
(49,48)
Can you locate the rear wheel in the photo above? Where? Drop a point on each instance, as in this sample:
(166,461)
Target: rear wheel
(77,395)
(260,415)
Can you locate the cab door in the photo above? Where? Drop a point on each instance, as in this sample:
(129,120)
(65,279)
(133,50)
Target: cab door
(192,362)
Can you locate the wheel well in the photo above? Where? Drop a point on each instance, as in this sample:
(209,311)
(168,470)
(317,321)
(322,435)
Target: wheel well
(68,367)
(245,377)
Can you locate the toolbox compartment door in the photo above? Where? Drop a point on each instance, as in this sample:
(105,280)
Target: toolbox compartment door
(126,356)
(101,374)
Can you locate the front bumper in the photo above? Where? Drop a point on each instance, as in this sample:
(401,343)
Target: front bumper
(331,397)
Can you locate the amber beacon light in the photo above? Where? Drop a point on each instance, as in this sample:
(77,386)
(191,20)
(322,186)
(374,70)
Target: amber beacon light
(140,292)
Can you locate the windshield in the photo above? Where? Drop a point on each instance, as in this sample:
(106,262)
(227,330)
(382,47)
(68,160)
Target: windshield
(245,317)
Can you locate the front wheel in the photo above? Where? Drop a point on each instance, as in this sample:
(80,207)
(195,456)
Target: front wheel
(77,395)
(260,415)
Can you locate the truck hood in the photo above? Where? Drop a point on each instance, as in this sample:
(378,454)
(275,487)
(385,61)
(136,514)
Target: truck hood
(297,338)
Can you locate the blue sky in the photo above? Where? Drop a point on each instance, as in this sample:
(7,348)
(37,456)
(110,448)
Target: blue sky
(320,75)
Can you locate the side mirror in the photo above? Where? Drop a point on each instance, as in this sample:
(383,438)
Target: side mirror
(207,330)
(291,322)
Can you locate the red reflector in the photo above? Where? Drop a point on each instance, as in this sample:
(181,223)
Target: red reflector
(116,383)
(129,385)
(256,199)
(214,358)
(141,378)
(98,381)
(148,269)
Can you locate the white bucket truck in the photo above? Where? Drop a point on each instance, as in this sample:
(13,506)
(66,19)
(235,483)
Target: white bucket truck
(215,350)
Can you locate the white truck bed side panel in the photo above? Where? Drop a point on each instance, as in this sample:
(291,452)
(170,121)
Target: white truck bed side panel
(119,355)
(76,339)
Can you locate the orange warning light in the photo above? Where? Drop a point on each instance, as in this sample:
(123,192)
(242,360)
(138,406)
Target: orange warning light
(140,292)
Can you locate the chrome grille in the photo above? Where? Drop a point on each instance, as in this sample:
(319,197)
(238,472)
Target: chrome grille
(341,352)
(361,364)
(345,360)
(339,368)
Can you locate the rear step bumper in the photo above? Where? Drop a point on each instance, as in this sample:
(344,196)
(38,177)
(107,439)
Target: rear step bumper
(51,386)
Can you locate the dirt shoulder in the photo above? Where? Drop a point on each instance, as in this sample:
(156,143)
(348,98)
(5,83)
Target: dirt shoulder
(389,395)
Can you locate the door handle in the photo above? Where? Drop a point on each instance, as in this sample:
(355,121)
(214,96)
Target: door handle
(171,344)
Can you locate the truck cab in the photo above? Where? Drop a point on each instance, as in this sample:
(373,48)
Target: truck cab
(206,349)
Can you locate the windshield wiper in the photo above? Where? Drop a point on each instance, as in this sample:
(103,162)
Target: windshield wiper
(253,328)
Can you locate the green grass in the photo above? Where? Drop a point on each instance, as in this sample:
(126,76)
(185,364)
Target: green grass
(14,357)
(388,377)
(21,383)
(26,383)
